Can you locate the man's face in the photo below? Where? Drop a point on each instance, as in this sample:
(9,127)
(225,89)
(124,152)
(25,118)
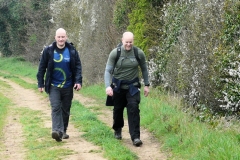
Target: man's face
(127,42)
(61,38)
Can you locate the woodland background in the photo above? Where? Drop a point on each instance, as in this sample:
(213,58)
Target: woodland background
(192,46)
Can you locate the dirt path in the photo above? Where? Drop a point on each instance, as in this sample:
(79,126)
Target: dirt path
(150,150)
(13,139)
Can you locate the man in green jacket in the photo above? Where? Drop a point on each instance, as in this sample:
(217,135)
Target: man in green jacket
(124,87)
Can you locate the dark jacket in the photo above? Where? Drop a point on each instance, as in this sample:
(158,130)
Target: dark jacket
(46,66)
(133,89)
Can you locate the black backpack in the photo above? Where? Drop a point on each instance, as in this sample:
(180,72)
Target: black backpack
(135,50)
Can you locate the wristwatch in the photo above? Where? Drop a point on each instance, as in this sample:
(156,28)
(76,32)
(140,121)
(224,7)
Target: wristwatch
(147,85)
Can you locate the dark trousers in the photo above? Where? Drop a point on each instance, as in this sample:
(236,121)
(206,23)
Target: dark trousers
(61,101)
(122,100)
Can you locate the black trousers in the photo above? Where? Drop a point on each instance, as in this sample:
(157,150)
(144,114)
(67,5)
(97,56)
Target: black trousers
(61,101)
(122,100)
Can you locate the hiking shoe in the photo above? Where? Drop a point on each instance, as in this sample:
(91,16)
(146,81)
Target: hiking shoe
(65,135)
(118,133)
(56,135)
(137,142)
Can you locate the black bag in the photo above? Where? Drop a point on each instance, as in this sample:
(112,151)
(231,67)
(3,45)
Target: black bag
(109,101)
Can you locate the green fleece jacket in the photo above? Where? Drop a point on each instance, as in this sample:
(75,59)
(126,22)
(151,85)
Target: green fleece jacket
(126,67)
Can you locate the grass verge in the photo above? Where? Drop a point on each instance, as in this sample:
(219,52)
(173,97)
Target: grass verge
(37,141)
(18,66)
(5,103)
(181,133)
(99,133)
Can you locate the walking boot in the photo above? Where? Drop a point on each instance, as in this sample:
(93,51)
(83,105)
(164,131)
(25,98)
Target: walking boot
(118,133)
(65,135)
(57,136)
(137,142)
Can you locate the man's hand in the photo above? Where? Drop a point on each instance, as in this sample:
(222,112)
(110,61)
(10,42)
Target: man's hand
(109,91)
(77,87)
(146,91)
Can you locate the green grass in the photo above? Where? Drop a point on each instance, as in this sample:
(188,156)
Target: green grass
(5,102)
(4,106)
(99,133)
(18,80)
(180,133)
(18,66)
(3,115)
(183,134)
(37,138)
(95,91)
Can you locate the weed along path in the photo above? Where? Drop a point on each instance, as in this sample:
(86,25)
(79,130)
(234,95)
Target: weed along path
(14,137)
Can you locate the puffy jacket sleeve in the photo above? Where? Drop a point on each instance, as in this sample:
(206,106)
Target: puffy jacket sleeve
(78,69)
(42,68)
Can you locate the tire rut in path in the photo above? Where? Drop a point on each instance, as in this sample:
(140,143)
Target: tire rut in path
(13,142)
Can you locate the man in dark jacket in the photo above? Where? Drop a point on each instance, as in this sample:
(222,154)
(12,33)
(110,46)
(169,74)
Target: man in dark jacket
(61,63)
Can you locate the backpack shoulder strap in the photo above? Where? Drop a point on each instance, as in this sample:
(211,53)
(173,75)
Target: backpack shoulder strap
(135,50)
(117,57)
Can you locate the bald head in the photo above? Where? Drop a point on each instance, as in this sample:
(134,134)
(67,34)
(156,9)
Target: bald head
(127,40)
(61,31)
(61,37)
(127,35)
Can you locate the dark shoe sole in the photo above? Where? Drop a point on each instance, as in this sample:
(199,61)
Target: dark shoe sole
(55,135)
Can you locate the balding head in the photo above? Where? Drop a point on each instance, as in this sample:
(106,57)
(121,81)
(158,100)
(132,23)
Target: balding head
(127,40)
(127,35)
(61,31)
(61,37)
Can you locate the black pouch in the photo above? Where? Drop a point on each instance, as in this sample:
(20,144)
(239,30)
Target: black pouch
(109,100)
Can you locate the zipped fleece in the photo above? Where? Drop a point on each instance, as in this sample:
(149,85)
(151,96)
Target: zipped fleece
(46,66)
